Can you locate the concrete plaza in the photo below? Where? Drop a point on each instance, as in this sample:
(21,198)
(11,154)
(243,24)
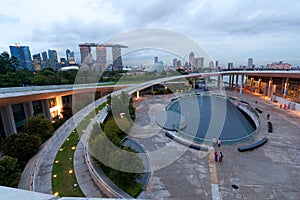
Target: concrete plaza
(178,172)
(268,172)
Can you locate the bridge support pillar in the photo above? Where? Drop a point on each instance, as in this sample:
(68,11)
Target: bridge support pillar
(28,107)
(236,82)
(270,87)
(8,121)
(137,94)
(46,109)
(285,87)
(242,84)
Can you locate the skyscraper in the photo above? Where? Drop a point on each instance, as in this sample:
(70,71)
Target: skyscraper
(85,52)
(230,65)
(72,58)
(45,61)
(117,58)
(101,57)
(155,59)
(68,55)
(200,63)
(37,62)
(22,53)
(192,61)
(174,63)
(250,62)
(53,60)
(211,64)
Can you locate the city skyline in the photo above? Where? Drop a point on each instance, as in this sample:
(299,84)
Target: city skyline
(229,31)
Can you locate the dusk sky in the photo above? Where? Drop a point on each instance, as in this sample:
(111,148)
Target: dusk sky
(228,31)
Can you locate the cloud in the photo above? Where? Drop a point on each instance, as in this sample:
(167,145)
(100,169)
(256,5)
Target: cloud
(6,19)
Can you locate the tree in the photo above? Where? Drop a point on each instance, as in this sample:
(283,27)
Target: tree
(10,172)
(67,112)
(39,125)
(21,146)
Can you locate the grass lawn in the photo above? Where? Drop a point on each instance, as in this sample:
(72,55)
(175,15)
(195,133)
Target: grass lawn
(64,183)
(63,176)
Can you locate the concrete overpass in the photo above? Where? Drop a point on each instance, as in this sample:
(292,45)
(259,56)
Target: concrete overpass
(50,99)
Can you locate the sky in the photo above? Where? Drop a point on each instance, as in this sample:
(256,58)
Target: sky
(228,30)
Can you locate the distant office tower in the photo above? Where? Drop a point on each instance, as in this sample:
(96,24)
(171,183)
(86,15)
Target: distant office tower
(192,61)
(37,62)
(68,55)
(117,59)
(63,62)
(71,60)
(45,61)
(174,63)
(200,63)
(22,53)
(230,65)
(85,52)
(101,57)
(250,62)
(155,59)
(179,65)
(53,60)
(217,64)
(211,64)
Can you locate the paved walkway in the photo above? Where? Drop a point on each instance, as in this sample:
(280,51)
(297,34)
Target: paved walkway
(269,172)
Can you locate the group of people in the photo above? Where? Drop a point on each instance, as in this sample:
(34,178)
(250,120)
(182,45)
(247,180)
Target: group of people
(216,142)
(218,158)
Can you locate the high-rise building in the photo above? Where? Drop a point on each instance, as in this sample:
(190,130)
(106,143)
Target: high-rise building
(117,58)
(68,55)
(200,63)
(22,53)
(230,65)
(101,57)
(45,61)
(155,59)
(211,64)
(174,63)
(53,60)
(250,63)
(71,58)
(63,62)
(37,62)
(192,61)
(217,64)
(179,65)
(85,52)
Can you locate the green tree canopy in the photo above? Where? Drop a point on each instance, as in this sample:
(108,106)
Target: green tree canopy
(39,125)
(21,146)
(10,172)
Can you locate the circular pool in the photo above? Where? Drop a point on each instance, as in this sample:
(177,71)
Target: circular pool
(208,116)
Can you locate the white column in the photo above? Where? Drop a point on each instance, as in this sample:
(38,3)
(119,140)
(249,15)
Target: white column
(242,84)
(46,108)
(8,121)
(28,108)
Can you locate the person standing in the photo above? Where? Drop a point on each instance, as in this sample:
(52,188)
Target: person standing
(221,157)
(268,116)
(219,142)
(216,156)
(214,141)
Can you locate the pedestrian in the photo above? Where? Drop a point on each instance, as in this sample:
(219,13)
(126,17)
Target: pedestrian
(268,116)
(219,142)
(221,157)
(216,156)
(214,141)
